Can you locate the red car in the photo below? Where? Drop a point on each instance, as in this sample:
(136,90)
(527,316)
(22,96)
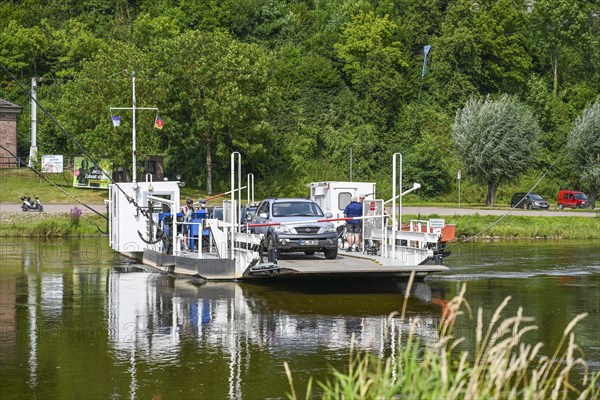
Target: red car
(572,199)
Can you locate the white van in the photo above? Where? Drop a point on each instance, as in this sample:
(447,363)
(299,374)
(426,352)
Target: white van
(334,196)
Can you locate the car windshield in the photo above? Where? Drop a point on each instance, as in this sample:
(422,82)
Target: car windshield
(296,209)
(535,197)
(580,196)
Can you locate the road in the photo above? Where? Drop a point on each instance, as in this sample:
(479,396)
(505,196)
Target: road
(55,208)
(442,211)
(498,212)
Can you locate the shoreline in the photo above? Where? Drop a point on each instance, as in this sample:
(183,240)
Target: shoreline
(486,227)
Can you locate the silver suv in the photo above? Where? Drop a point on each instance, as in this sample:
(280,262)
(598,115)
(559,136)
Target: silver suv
(292,225)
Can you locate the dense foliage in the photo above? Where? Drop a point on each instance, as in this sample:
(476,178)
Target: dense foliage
(297,86)
(584,147)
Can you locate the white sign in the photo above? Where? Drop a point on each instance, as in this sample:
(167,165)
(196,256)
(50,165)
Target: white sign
(437,223)
(52,163)
(458,175)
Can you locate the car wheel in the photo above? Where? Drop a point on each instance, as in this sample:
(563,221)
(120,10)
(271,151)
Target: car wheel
(560,206)
(331,254)
(529,206)
(512,205)
(309,253)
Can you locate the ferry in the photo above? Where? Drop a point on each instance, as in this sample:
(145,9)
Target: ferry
(144,224)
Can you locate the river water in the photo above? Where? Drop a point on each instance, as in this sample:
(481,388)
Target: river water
(78,321)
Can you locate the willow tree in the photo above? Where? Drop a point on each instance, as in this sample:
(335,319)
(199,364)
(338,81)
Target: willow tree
(584,145)
(495,140)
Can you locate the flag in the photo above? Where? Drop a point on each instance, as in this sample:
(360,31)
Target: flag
(116,120)
(426,51)
(159,123)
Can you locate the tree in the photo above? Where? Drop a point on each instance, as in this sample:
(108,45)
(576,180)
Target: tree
(584,146)
(482,49)
(104,82)
(372,59)
(221,97)
(557,26)
(495,140)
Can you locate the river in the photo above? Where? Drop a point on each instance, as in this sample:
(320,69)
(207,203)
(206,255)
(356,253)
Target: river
(78,321)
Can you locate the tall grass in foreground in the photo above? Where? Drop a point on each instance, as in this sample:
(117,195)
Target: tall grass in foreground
(500,366)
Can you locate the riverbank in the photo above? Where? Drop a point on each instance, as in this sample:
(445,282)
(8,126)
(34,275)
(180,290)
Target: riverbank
(31,224)
(34,224)
(523,227)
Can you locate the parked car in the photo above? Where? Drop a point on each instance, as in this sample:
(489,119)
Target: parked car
(572,199)
(247,213)
(299,231)
(216,213)
(528,201)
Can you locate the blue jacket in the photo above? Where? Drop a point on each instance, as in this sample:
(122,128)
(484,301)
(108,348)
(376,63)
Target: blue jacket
(354,209)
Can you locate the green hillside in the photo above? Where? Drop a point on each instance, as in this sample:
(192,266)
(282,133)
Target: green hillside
(313,90)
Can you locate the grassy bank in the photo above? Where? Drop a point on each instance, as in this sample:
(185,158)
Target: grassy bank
(23,182)
(50,225)
(521,227)
(511,227)
(17,182)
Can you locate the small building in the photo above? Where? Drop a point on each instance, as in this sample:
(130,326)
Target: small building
(155,165)
(8,133)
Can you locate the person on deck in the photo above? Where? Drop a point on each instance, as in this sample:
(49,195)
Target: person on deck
(187,211)
(353,227)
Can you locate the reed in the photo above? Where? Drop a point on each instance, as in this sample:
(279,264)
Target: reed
(501,365)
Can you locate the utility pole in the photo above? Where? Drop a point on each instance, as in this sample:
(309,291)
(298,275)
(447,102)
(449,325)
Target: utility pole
(133,141)
(33,148)
(458,177)
(350,163)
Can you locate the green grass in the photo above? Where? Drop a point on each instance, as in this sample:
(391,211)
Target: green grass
(520,227)
(511,227)
(501,364)
(51,225)
(17,182)
(22,181)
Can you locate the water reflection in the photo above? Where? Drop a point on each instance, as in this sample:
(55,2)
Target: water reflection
(150,316)
(152,313)
(119,331)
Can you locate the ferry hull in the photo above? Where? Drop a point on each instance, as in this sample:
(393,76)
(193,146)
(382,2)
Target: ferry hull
(287,268)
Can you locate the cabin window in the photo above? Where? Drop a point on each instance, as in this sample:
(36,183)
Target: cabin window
(344,199)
